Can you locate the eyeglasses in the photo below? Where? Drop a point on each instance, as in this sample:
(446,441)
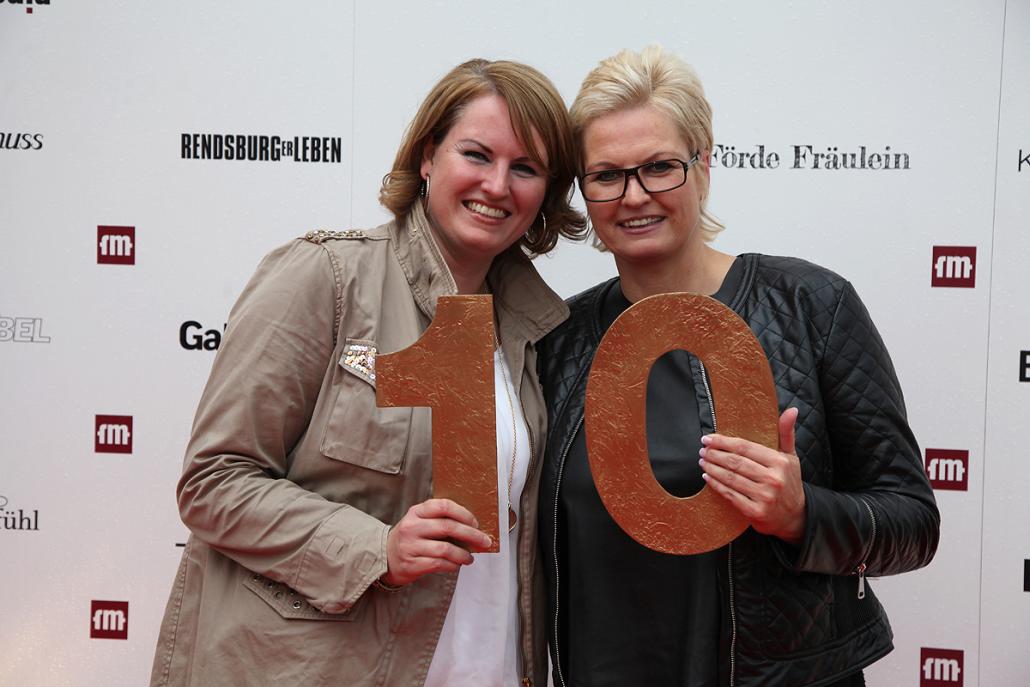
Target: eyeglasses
(654,177)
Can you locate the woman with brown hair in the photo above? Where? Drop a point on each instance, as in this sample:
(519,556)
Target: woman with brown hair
(316,555)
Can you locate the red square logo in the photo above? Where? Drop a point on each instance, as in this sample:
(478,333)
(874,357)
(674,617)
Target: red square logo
(947,469)
(113,434)
(109,620)
(940,668)
(116,245)
(953,266)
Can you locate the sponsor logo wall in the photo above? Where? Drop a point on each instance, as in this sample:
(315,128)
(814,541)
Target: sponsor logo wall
(254,148)
(193,336)
(109,620)
(22,330)
(170,156)
(954,266)
(21,141)
(18,519)
(948,469)
(113,434)
(116,245)
(940,668)
(805,156)
(29,5)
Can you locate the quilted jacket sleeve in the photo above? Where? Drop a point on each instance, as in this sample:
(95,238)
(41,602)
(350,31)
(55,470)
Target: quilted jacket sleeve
(234,494)
(881,511)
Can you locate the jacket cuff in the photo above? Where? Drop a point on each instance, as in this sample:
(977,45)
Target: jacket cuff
(789,555)
(836,532)
(345,556)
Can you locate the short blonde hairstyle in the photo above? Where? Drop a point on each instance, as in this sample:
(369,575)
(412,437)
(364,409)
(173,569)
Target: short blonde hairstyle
(654,77)
(534,105)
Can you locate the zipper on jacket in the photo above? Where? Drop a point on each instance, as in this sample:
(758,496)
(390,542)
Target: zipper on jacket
(733,620)
(860,570)
(526,681)
(708,393)
(532,449)
(557,591)
(729,556)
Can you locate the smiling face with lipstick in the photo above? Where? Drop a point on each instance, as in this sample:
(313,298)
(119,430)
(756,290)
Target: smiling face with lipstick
(644,151)
(485,189)
(658,215)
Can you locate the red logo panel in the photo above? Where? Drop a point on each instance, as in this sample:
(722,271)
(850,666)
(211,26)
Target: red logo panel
(947,469)
(116,245)
(109,620)
(953,266)
(113,434)
(940,668)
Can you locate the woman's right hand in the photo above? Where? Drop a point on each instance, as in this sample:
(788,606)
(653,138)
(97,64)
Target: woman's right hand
(429,539)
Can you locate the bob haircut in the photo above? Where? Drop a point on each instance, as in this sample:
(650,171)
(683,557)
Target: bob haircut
(534,105)
(653,77)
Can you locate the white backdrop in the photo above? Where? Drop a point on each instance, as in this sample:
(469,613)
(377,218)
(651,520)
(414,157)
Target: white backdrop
(94,102)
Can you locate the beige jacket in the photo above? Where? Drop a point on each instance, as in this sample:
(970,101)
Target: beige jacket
(293,476)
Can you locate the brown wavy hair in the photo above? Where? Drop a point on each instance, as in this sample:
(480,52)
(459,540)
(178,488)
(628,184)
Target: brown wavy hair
(534,105)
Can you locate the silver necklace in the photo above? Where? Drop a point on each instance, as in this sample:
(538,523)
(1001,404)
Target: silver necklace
(512,517)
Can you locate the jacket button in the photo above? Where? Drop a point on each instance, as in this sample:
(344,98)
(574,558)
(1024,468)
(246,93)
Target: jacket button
(296,605)
(278,595)
(256,577)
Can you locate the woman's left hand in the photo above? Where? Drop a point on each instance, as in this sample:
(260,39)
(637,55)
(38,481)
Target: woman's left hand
(763,484)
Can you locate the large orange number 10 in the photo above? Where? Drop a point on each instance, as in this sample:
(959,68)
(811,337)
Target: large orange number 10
(450,370)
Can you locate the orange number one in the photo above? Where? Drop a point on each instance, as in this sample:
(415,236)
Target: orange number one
(451,370)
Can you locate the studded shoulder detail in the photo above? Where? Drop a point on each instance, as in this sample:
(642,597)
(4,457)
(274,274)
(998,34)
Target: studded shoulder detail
(323,235)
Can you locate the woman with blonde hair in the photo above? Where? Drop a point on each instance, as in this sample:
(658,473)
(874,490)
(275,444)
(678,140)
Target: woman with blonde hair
(845,496)
(317,556)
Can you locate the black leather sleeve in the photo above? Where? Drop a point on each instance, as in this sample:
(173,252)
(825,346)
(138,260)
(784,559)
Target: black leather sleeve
(880,511)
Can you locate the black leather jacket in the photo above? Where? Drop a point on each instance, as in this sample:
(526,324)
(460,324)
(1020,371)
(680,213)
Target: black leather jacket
(798,616)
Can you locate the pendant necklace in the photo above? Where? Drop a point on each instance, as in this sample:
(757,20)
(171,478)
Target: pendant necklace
(512,517)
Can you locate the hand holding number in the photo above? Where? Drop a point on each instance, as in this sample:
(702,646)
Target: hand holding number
(763,484)
(429,539)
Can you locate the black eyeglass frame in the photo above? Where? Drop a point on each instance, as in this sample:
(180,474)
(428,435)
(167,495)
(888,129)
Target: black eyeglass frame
(628,172)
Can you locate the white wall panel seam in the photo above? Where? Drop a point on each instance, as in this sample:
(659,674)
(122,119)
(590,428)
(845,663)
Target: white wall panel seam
(987,367)
(353,107)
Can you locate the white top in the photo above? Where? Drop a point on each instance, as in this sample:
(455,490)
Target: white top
(479,641)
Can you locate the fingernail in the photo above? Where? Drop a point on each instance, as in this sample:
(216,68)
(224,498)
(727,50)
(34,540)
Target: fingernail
(475,523)
(704,476)
(701,452)
(701,462)
(706,439)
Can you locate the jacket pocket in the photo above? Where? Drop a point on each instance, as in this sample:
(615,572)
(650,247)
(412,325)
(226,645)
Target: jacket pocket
(798,609)
(358,432)
(291,605)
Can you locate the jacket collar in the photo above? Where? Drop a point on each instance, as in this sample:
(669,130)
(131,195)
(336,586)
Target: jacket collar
(526,307)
